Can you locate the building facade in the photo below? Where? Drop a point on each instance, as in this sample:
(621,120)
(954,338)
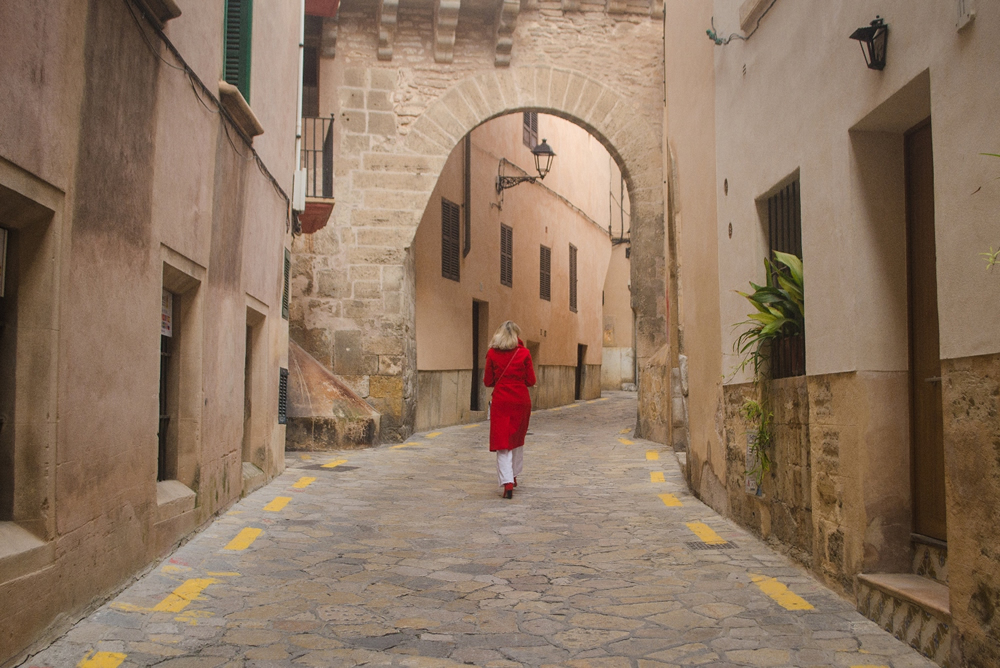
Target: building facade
(534,253)
(884,475)
(145,222)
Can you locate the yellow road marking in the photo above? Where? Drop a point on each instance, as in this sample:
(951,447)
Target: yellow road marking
(405,445)
(651,455)
(572,405)
(656,476)
(223,574)
(172,568)
(670,501)
(706,534)
(603,399)
(782,595)
(191,617)
(129,607)
(334,464)
(234,512)
(187,592)
(305,457)
(869,666)
(434,434)
(277,503)
(625,430)
(244,539)
(472,426)
(557,408)
(304,482)
(102,660)
(625,441)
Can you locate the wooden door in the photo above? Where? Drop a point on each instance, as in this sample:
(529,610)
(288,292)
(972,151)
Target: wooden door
(926,433)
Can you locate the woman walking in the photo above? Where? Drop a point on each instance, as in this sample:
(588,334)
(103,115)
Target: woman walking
(510,373)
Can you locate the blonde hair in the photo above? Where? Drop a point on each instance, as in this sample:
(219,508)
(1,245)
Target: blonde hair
(506,336)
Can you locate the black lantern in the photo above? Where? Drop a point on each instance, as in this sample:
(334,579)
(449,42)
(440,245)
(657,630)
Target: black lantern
(543,163)
(873,40)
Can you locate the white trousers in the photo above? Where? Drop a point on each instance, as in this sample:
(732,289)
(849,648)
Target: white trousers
(509,464)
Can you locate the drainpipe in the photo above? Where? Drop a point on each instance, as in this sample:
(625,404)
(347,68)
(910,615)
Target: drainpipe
(298,102)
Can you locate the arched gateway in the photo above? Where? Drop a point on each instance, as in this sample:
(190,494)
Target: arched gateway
(353,280)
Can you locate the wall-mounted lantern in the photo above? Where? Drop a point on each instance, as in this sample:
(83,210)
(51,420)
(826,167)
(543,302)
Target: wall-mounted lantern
(873,39)
(543,163)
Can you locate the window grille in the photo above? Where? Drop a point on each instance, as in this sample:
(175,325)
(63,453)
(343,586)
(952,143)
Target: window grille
(572,278)
(529,133)
(285,289)
(545,274)
(283,396)
(784,230)
(236,65)
(506,255)
(450,226)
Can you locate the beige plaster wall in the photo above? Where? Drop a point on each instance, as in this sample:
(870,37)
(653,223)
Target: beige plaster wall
(199,219)
(618,356)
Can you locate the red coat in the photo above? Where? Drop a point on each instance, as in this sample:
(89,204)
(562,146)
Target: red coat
(510,409)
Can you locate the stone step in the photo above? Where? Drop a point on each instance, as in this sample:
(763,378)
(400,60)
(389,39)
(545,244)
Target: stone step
(913,608)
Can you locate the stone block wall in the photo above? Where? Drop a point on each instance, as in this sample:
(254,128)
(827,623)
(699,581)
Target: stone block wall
(783,510)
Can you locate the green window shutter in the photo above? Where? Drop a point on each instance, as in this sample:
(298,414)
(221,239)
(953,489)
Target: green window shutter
(236,67)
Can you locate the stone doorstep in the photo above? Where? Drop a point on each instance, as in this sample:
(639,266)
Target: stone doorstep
(173,498)
(929,595)
(22,552)
(253,478)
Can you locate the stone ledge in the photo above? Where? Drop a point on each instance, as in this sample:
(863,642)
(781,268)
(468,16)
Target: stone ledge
(925,593)
(22,552)
(253,478)
(161,11)
(239,110)
(173,498)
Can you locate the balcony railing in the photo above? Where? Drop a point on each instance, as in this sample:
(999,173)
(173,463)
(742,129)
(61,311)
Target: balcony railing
(317,156)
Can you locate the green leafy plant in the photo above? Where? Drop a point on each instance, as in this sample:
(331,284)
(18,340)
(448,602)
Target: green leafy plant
(758,415)
(780,311)
(780,305)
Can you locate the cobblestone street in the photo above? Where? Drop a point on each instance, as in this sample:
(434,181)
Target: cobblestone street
(406,555)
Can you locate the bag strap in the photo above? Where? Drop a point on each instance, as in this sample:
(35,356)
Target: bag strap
(506,367)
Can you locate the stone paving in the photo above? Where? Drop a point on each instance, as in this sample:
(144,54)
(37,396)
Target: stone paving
(406,555)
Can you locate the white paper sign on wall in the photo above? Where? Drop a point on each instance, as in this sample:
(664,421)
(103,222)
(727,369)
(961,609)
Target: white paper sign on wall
(167,314)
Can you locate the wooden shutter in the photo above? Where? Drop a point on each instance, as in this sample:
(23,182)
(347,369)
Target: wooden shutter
(572,278)
(529,132)
(450,224)
(236,65)
(784,231)
(282,396)
(545,274)
(506,255)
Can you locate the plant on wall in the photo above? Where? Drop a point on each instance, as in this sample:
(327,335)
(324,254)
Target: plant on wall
(780,311)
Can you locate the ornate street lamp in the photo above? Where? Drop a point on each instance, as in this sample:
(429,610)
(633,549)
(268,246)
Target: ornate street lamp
(873,39)
(543,163)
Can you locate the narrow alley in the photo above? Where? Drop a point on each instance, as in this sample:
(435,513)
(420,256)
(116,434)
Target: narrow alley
(406,555)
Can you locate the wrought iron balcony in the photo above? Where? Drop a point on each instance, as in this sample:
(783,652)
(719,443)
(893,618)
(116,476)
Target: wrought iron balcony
(317,156)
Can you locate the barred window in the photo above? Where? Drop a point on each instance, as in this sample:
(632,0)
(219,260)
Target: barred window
(450,224)
(529,132)
(545,274)
(572,278)
(784,231)
(506,255)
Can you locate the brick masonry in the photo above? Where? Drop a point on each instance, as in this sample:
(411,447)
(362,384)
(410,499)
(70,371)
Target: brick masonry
(396,122)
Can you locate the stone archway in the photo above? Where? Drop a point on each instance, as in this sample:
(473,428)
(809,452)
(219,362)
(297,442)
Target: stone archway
(353,281)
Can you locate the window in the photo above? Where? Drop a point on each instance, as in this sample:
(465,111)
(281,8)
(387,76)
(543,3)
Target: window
(572,278)
(285,289)
(310,66)
(529,132)
(506,255)
(784,232)
(282,396)
(545,274)
(450,225)
(236,65)
(166,453)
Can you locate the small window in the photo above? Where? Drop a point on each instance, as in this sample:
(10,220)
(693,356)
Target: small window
(529,132)
(506,255)
(784,232)
(310,66)
(572,278)
(236,66)
(282,396)
(450,225)
(545,274)
(285,289)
